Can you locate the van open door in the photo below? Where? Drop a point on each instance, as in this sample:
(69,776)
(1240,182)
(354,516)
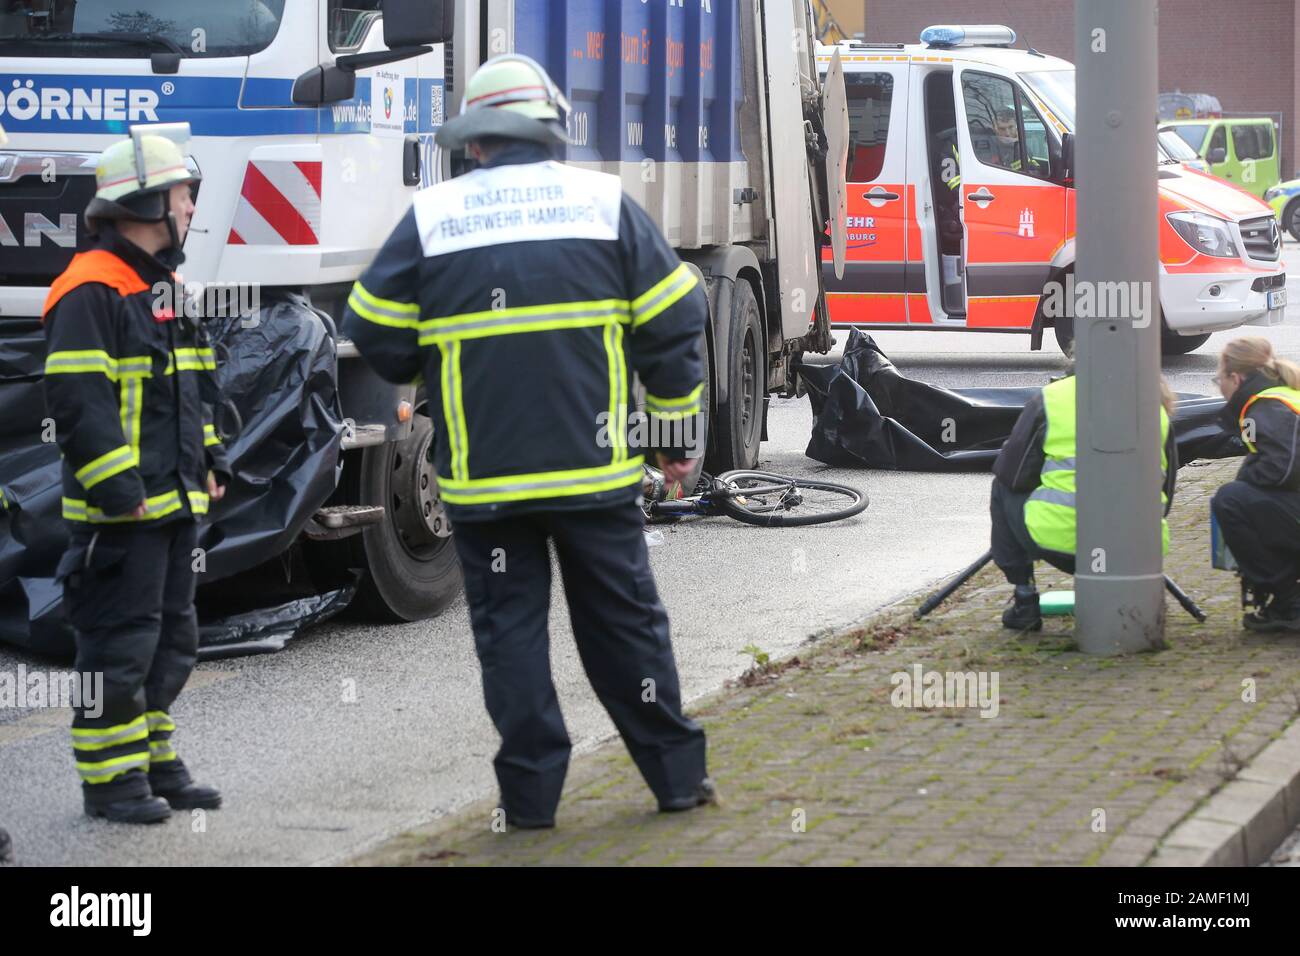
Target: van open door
(872,287)
(1012,211)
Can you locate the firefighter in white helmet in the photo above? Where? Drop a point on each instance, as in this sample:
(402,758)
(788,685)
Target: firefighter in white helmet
(527,293)
(131,388)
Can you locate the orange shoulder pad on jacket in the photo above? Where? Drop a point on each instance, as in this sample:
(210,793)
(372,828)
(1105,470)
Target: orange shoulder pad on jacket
(97,265)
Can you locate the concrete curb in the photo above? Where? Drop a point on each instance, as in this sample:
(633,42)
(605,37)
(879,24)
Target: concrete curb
(1243,823)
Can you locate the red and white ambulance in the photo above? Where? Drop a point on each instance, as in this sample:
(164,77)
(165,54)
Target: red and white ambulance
(961,206)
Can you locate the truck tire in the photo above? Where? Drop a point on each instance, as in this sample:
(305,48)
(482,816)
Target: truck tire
(409,564)
(737,422)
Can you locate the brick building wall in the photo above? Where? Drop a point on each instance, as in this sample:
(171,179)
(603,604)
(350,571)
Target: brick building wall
(1243,52)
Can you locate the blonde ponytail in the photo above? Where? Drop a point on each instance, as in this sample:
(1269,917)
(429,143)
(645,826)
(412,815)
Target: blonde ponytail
(1286,371)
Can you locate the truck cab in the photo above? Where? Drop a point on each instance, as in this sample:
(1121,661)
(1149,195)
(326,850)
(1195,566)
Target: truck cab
(962,202)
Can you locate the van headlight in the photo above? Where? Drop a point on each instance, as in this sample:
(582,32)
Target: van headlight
(1206,234)
(1272,193)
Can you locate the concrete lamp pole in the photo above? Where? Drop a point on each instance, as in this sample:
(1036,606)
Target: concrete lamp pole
(1119,591)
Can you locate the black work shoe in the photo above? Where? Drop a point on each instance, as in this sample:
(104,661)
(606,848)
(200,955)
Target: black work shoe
(131,810)
(1023,614)
(192,796)
(1274,617)
(705,792)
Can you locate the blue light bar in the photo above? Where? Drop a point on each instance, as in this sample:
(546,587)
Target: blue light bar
(953,35)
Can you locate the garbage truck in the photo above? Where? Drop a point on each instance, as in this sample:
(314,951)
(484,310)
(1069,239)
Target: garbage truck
(312,124)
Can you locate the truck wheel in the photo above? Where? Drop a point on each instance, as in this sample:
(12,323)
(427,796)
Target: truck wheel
(409,562)
(1291,218)
(737,422)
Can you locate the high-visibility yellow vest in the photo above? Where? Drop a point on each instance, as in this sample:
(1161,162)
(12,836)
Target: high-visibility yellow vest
(1281,393)
(1050,511)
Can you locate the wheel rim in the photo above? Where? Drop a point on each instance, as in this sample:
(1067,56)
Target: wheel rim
(416,510)
(1294,227)
(748,389)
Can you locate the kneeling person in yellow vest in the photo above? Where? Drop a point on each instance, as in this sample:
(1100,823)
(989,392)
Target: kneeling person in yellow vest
(130,387)
(1259,512)
(1032,504)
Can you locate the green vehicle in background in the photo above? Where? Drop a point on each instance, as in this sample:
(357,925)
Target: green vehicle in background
(1241,150)
(1285,200)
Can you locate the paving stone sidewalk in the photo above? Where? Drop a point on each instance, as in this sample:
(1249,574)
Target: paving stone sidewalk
(1087,761)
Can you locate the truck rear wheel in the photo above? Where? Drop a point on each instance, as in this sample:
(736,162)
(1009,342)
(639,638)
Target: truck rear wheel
(737,421)
(410,566)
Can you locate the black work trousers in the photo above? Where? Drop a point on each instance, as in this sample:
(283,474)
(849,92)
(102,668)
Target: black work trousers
(129,592)
(1261,527)
(621,630)
(1014,550)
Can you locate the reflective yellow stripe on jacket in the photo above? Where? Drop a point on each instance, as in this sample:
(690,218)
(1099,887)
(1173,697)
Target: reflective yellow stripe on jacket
(106,466)
(96,362)
(663,295)
(530,318)
(675,408)
(191,360)
(394,315)
(547,484)
(1289,397)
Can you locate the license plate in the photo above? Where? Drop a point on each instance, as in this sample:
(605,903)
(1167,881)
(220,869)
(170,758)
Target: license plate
(1277,299)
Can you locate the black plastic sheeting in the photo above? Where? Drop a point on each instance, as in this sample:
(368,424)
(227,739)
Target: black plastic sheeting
(868,415)
(277,370)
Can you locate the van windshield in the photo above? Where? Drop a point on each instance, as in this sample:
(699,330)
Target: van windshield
(1176,146)
(1056,89)
(137,28)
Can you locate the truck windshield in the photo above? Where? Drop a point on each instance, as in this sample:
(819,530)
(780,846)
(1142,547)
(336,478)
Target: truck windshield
(137,28)
(1056,89)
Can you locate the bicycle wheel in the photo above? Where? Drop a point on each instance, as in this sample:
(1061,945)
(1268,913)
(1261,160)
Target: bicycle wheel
(779,501)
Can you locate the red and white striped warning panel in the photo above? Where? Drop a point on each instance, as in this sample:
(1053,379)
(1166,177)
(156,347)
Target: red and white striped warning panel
(279,204)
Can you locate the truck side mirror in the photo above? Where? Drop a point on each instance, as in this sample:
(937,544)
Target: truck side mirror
(324,84)
(1218,154)
(410,23)
(1067,159)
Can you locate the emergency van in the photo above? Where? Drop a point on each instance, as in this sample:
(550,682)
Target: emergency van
(961,206)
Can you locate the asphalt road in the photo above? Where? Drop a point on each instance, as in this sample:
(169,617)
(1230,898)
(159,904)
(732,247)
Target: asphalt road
(354,733)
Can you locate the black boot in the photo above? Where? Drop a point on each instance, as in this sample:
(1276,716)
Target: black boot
(139,809)
(192,796)
(1023,614)
(1282,613)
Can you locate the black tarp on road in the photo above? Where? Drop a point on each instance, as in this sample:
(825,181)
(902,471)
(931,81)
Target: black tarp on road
(866,414)
(278,369)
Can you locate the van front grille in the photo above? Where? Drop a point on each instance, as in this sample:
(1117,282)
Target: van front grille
(1262,238)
